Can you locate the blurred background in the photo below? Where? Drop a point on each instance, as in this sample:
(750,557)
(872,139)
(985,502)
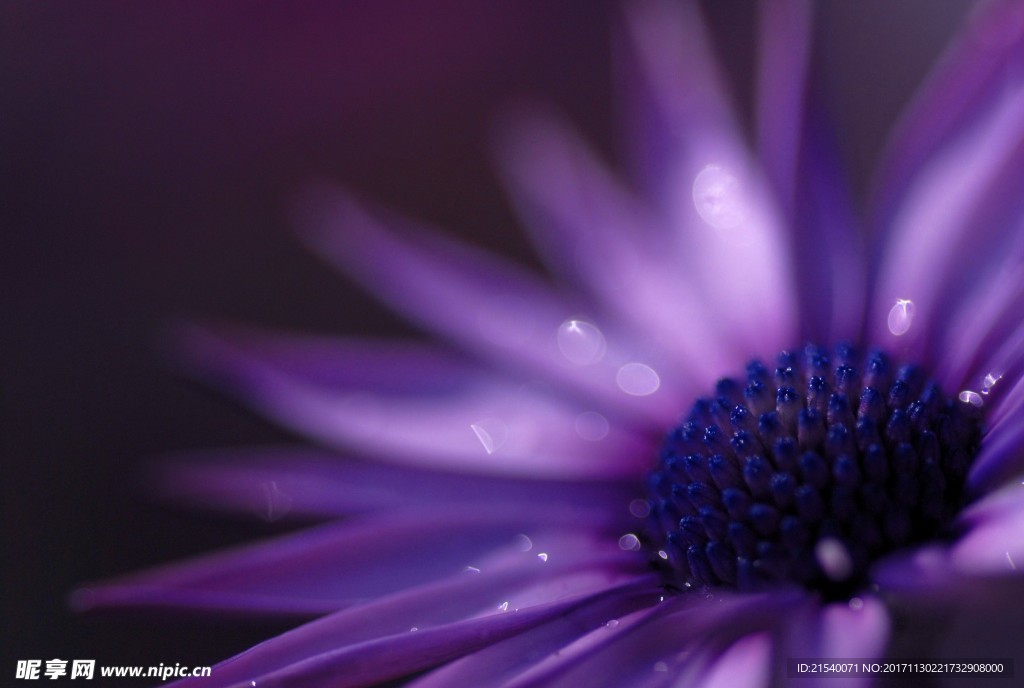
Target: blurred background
(147,155)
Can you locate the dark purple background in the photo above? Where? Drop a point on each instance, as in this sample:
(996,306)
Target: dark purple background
(147,153)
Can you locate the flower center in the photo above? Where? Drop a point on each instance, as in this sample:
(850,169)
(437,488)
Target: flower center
(808,474)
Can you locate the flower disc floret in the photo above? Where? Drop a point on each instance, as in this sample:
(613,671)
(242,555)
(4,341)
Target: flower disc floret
(809,473)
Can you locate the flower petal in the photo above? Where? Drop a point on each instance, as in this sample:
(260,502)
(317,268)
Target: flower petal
(922,570)
(1002,451)
(994,543)
(797,149)
(785,33)
(966,84)
(731,241)
(961,210)
(783,51)
(673,88)
(747,662)
(984,337)
(975,616)
(959,614)
(589,229)
(273,483)
(676,642)
(335,652)
(337,565)
(854,630)
(417,407)
(849,630)
(496,310)
(508,659)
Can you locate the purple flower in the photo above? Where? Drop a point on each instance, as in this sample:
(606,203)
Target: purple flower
(641,473)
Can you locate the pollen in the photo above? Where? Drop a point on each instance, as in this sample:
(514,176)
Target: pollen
(808,473)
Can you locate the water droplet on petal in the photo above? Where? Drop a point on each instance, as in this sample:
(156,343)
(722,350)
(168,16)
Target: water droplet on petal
(581,342)
(637,379)
(274,504)
(856,604)
(523,543)
(969,397)
(834,558)
(543,556)
(718,197)
(990,381)
(503,606)
(611,624)
(491,432)
(629,542)
(901,315)
(592,426)
(660,666)
(640,508)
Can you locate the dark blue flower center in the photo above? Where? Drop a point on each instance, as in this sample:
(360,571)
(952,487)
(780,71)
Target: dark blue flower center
(808,473)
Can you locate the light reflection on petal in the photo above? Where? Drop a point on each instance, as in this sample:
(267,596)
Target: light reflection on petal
(637,379)
(718,197)
(275,503)
(581,342)
(972,398)
(592,426)
(523,543)
(640,508)
(834,558)
(901,316)
(491,432)
(990,381)
(629,542)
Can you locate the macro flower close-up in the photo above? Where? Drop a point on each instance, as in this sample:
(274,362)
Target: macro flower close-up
(738,421)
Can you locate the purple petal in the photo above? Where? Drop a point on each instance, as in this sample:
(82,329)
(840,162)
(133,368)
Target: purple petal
(336,652)
(1006,500)
(994,543)
(710,188)
(272,483)
(922,570)
(966,84)
(962,615)
(959,218)
(672,86)
(509,659)
(785,33)
(828,250)
(327,568)
(479,301)
(585,225)
(675,643)
(858,629)
(415,407)
(851,630)
(797,149)
(1002,451)
(1011,400)
(746,663)
(984,338)
(977,617)
(960,213)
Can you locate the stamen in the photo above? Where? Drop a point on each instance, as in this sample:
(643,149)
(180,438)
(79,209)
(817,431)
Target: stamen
(809,472)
